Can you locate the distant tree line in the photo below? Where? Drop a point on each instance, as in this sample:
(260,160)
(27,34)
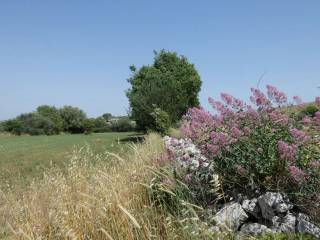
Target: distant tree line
(49,120)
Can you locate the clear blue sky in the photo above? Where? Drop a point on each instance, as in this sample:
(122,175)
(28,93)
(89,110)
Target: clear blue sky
(77,52)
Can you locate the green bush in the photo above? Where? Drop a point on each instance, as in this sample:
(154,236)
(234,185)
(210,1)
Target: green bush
(2,126)
(12,126)
(88,125)
(309,110)
(52,114)
(97,125)
(161,120)
(101,125)
(33,124)
(73,119)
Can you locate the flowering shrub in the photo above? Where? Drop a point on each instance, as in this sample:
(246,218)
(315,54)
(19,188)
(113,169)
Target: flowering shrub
(259,146)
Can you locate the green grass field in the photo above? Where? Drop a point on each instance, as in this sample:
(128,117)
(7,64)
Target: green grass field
(24,157)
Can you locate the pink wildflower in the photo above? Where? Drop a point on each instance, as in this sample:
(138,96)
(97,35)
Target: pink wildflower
(214,149)
(219,138)
(221,108)
(259,98)
(227,98)
(279,118)
(298,135)
(317,118)
(317,100)
(298,175)
(236,133)
(238,103)
(276,95)
(306,120)
(232,101)
(185,129)
(287,151)
(252,113)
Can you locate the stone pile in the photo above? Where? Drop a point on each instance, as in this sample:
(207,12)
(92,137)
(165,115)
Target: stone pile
(269,213)
(186,153)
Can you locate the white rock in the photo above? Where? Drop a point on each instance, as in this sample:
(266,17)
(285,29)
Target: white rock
(231,216)
(303,217)
(288,224)
(254,229)
(272,203)
(251,207)
(304,226)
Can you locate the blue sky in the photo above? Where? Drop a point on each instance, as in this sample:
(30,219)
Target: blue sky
(77,52)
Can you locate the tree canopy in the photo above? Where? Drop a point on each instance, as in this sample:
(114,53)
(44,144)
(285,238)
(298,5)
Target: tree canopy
(171,84)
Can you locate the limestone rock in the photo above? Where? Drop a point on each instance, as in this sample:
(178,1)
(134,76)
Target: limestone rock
(303,217)
(251,207)
(272,203)
(231,216)
(254,229)
(288,224)
(275,222)
(304,226)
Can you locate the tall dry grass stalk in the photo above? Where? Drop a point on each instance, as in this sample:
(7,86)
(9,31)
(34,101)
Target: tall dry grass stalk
(105,200)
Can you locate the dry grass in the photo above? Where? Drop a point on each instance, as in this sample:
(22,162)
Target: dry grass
(176,133)
(101,201)
(105,200)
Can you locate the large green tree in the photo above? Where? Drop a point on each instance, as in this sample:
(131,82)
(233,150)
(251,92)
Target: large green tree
(171,84)
(73,119)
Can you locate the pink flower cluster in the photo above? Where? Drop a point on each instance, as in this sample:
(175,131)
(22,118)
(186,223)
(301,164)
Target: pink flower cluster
(279,117)
(277,96)
(297,174)
(299,136)
(221,108)
(239,126)
(317,118)
(197,123)
(232,101)
(286,151)
(259,98)
(220,138)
